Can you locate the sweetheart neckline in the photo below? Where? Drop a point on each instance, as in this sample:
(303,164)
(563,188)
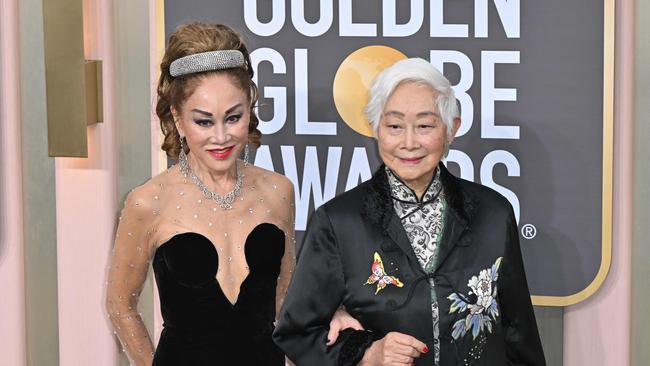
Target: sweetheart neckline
(232,304)
(211,242)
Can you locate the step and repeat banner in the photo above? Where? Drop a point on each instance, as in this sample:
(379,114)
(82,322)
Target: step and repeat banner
(533,81)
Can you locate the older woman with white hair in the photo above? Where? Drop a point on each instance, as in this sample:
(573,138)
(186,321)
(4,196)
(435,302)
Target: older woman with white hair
(429,263)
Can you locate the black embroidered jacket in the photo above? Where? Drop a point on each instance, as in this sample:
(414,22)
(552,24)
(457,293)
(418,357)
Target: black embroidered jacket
(486,315)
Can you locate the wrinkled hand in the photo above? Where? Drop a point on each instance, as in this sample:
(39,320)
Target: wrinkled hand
(395,349)
(340,321)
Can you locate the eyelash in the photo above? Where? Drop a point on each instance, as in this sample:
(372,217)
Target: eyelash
(396,127)
(203,122)
(208,122)
(236,117)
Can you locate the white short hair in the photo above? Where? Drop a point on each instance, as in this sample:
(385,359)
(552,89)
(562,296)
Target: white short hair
(411,70)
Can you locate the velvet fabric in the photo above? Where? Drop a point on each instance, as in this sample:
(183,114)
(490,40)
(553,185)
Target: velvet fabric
(201,326)
(480,238)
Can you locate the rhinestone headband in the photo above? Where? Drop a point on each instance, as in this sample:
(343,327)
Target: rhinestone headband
(206,61)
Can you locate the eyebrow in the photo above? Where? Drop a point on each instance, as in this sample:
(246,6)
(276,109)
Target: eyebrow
(208,114)
(202,112)
(394,113)
(419,115)
(231,109)
(427,114)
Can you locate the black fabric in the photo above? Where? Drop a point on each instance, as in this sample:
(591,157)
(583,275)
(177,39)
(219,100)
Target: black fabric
(355,343)
(335,262)
(201,327)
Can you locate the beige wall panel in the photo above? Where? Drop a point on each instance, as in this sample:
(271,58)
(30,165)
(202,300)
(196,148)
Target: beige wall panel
(641,245)
(39,215)
(85,231)
(12,306)
(65,72)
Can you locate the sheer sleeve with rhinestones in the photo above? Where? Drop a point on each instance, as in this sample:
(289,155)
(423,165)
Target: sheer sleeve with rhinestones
(286,208)
(128,272)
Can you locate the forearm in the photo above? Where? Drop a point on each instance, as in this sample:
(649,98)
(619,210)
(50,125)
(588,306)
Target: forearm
(127,274)
(132,333)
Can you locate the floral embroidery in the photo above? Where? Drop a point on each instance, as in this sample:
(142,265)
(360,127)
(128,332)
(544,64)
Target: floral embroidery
(379,275)
(482,312)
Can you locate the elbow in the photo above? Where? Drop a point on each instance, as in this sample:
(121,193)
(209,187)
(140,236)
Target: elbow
(111,312)
(117,310)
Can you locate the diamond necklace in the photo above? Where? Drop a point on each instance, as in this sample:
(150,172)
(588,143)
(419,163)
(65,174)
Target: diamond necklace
(224,202)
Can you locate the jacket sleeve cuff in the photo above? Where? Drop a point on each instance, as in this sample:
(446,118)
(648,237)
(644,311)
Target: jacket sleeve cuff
(354,345)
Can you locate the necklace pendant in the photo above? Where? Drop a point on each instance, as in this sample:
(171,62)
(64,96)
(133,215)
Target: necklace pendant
(225,202)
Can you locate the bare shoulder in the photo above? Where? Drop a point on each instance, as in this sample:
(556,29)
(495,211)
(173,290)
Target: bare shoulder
(269,181)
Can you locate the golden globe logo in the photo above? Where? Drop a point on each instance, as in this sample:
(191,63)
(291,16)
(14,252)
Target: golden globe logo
(352,83)
(350,86)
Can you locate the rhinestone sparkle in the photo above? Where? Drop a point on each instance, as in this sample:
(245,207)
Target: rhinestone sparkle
(206,61)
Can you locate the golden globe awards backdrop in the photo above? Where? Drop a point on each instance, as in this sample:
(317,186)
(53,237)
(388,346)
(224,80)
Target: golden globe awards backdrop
(533,81)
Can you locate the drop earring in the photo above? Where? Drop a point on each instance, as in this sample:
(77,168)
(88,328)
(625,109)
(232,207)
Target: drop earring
(182,157)
(246,155)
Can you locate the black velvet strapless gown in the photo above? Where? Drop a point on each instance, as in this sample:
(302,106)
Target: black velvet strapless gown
(201,326)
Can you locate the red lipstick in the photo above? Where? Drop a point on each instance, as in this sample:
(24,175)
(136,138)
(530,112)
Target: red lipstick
(221,153)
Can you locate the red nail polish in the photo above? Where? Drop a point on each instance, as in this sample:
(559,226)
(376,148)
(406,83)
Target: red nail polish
(426,349)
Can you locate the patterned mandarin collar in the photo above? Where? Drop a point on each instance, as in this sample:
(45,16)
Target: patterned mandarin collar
(405,199)
(423,221)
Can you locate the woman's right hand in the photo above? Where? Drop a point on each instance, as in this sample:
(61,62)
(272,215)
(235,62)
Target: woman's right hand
(394,349)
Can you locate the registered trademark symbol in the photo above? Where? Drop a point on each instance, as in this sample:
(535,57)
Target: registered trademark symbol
(528,231)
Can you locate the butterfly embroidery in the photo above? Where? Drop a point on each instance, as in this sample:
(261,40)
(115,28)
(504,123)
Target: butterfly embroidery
(379,275)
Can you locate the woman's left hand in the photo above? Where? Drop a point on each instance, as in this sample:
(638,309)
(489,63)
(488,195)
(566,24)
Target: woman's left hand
(340,321)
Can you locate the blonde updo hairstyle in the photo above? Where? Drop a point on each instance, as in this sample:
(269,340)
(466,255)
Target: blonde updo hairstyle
(188,39)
